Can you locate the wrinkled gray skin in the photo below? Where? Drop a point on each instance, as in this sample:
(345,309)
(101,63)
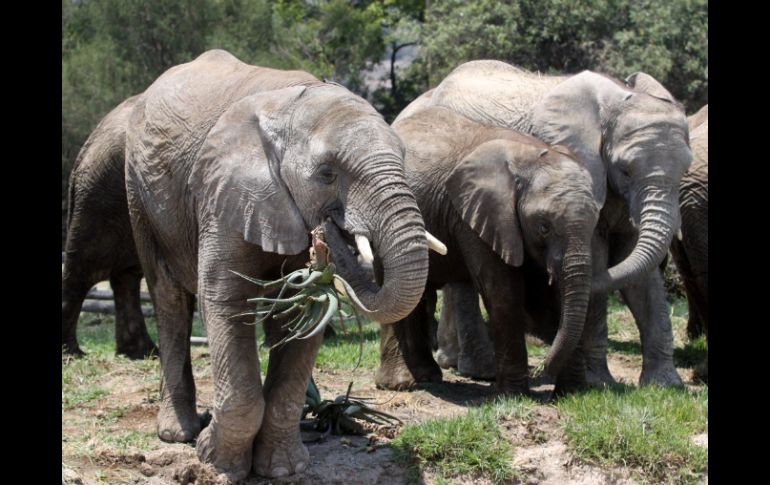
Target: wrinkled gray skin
(99,243)
(691,253)
(513,213)
(634,139)
(228,167)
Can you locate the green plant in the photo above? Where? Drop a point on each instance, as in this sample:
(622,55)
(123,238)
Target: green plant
(336,417)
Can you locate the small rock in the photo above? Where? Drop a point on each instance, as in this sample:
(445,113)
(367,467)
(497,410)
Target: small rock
(70,477)
(146,470)
(371,449)
(701,440)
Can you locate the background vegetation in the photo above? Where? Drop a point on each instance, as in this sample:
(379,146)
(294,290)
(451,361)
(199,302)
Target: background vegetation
(112,49)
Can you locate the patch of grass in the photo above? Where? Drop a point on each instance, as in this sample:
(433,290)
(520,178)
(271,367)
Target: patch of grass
(649,429)
(129,441)
(692,354)
(508,408)
(341,351)
(81,395)
(465,445)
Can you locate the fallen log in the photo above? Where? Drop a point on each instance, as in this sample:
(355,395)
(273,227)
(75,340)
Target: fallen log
(108,307)
(94,294)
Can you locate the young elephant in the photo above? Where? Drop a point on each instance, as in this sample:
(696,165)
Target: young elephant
(691,252)
(228,168)
(514,213)
(99,240)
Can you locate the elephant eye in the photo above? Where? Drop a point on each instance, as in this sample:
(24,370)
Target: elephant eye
(326,174)
(543,228)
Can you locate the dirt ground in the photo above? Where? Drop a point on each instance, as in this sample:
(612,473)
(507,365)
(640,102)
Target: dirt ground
(540,452)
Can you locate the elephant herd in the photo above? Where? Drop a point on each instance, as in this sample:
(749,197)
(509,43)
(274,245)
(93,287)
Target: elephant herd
(549,192)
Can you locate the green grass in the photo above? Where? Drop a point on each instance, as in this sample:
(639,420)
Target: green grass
(342,351)
(471,444)
(649,429)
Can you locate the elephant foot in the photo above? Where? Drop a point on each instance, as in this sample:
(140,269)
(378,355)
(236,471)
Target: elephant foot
(479,366)
(701,372)
(395,379)
(513,386)
(446,360)
(232,460)
(178,425)
(281,456)
(137,351)
(598,375)
(568,386)
(664,375)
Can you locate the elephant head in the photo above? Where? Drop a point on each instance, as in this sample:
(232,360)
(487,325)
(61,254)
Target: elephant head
(279,163)
(522,197)
(635,139)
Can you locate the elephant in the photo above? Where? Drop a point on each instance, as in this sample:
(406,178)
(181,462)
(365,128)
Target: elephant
(633,136)
(228,168)
(515,215)
(691,252)
(100,243)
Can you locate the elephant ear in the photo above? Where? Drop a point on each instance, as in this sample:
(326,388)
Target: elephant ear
(237,176)
(482,190)
(570,115)
(643,82)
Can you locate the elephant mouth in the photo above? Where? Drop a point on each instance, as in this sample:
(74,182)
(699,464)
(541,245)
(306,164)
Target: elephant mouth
(365,266)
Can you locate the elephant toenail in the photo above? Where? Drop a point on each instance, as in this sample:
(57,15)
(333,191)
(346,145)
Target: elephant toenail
(279,472)
(300,467)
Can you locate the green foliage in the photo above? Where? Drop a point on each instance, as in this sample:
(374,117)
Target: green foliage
(112,49)
(650,428)
(668,40)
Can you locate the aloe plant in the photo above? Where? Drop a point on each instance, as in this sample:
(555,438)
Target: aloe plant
(336,417)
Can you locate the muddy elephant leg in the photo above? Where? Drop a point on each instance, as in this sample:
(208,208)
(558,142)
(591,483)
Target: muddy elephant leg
(405,351)
(647,302)
(278,449)
(474,349)
(131,337)
(75,286)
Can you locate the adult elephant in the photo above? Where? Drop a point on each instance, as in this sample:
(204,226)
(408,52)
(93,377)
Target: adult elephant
(516,215)
(99,242)
(633,137)
(691,252)
(228,168)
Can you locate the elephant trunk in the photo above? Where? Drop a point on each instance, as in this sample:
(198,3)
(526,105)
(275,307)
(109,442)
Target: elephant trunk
(400,246)
(659,222)
(575,286)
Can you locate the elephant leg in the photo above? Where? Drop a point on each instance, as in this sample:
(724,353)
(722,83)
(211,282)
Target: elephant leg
(278,449)
(694,321)
(595,339)
(647,302)
(448,345)
(405,351)
(502,290)
(177,418)
(476,351)
(238,407)
(75,286)
(131,337)
(572,378)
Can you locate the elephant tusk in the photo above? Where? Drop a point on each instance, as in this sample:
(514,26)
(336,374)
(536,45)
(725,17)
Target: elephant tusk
(364,248)
(435,244)
(679,234)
